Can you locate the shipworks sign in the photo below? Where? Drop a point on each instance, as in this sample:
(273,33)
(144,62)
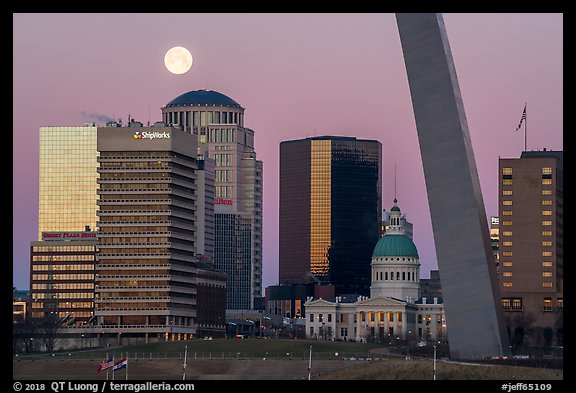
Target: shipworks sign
(151,135)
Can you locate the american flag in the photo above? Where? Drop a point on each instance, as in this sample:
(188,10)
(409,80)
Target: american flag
(522,119)
(106,364)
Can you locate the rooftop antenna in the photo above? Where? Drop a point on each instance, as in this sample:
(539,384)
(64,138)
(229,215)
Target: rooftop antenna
(148,115)
(394,180)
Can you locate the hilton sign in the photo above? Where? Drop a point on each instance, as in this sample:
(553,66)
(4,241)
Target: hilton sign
(220,201)
(49,236)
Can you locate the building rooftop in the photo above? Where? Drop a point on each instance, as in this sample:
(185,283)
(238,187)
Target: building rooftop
(203,97)
(544,153)
(395,246)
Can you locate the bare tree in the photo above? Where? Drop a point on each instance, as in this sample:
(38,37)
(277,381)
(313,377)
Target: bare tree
(23,334)
(48,330)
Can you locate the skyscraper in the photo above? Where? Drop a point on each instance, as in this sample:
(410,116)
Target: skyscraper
(61,267)
(149,272)
(531,210)
(330,211)
(218,121)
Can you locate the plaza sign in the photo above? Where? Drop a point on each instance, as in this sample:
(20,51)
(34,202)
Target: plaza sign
(49,236)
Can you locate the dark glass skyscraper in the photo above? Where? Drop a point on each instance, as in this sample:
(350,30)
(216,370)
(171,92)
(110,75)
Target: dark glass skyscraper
(330,211)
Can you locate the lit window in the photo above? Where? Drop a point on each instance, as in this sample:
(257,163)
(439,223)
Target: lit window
(547,304)
(546,253)
(507,192)
(507,264)
(546,171)
(507,284)
(547,223)
(508,223)
(507,253)
(546,264)
(507,233)
(508,203)
(546,192)
(546,182)
(506,171)
(546,274)
(517,304)
(507,274)
(546,212)
(507,212)
(506,304)
(546,243)
(508,182)
(507,244)
(560,304)
(546,233)
(546,285)
(546,203)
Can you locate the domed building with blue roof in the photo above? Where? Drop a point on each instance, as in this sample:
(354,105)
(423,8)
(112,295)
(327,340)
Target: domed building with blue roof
(394,310)
(196,110)
(234,221)
(395,262)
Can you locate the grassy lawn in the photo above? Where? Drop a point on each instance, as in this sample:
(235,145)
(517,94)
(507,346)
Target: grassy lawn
(422,369)
(229,348)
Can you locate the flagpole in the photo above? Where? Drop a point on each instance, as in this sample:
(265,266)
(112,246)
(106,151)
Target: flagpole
(310,363)
(108,367)
(525,127)
(184,365)
(126,366)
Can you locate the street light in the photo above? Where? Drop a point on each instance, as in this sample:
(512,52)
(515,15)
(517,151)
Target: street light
(434,346)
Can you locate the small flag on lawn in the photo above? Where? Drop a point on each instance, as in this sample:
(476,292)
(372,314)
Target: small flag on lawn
(120,364)
(106,364)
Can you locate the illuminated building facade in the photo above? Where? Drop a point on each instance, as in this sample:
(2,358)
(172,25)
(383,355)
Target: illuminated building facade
(67,179)
(531,249)
(495,240)
(62,268)
(330,211)
(218,122)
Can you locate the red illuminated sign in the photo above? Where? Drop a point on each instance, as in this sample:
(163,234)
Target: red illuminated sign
(68,235)
(220,201)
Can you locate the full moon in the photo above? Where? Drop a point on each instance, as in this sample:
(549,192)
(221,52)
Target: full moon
(178,60)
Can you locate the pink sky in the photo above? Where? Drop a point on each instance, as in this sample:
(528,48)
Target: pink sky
(297,75)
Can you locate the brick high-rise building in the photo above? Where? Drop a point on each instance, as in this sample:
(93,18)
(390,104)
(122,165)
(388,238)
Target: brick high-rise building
(531,211)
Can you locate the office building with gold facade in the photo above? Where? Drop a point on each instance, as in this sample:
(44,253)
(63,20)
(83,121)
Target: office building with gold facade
(62,262)
(330,211)
(67,179)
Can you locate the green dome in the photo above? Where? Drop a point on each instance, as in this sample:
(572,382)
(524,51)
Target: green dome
(395,246)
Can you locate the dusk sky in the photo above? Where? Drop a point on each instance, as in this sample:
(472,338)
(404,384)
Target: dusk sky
(297,75)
